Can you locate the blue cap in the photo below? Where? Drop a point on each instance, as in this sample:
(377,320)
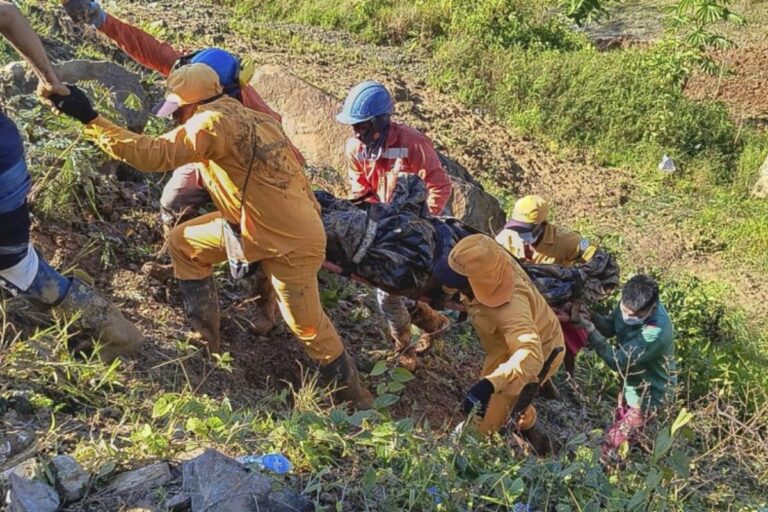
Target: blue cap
(223,63)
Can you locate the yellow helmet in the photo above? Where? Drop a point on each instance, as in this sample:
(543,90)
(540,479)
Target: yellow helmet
(530,210)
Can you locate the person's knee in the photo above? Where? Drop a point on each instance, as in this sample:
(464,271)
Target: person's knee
(177,244)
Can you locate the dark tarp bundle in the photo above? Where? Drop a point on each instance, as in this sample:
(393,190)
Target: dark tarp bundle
(395,246)
(391,245)
(590,282)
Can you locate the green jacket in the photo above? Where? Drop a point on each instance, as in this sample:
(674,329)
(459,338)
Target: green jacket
(644,353)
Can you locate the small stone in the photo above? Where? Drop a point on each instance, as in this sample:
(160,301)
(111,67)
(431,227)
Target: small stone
(179,503)
(24,469)
(71,478)
(31,496)
(144,478)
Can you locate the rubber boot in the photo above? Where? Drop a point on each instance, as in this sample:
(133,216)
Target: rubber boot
(549,391)
(540,440)
(118,336)
(266,303)
(342,372)
(406,353)
(431,323)
(201,305)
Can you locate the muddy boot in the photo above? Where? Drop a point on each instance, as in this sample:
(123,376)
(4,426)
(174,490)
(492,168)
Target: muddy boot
(342,372)
(406,354)
(201,305)
(266,303)
(549,391)
(540,440)
(431,323)
(118,336)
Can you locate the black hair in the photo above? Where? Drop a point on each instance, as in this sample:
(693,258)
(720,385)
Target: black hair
(640,293)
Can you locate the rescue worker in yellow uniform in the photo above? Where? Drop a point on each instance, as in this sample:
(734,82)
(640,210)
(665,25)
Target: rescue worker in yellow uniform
(516,327)
(265,206)
(530,237)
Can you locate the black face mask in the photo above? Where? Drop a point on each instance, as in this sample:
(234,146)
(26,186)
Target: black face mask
(373,135)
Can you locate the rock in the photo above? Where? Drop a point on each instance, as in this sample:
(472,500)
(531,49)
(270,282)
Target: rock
(475,207)
(31,496)
(71,478)
(26,469)
(309,120)
(178,503)
(140,479)
(217,483)
(16,78)
(760,190)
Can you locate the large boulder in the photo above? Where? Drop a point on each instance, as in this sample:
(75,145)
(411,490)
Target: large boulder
(128,95)
(309,121)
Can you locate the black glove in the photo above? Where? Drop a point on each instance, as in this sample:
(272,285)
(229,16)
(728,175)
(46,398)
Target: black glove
(76,105)
(478,397)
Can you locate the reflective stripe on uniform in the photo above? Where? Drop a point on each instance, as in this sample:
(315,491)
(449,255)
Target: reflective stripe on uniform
(390,154)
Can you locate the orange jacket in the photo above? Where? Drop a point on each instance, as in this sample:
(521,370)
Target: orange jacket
(161,57)
(406,150)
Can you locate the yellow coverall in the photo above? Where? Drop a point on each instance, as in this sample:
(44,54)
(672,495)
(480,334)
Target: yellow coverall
(279,219)
(517,336)
(557,246)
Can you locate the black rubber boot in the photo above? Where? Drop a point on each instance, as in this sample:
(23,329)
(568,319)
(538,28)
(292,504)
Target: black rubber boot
(342,372)
(540,440)
(201,305)
(118,336)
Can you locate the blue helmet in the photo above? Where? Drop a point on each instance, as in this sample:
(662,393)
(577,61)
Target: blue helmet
(365,101)
(223,63)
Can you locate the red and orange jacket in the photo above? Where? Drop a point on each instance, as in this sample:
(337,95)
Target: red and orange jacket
(406,150)
(161,57)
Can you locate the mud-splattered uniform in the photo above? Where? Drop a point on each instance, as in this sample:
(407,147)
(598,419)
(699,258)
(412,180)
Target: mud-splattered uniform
(279,221)
(184,194)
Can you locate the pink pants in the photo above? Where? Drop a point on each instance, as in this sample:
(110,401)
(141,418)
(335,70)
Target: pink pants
(627,425)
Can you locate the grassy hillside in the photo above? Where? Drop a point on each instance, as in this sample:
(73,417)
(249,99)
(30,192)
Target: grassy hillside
(530,73)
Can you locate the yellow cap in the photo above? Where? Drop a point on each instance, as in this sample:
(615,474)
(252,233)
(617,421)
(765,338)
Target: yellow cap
(187,85)
(487,266)
(530,210)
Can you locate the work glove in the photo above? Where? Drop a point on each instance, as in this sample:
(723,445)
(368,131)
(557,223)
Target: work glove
(76,105)
(477,397)
(85,11)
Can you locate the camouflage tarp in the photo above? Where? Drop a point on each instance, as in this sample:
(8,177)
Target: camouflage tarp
(395,246)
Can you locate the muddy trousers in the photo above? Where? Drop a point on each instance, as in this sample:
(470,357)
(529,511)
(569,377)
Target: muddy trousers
(196,245)
(183,195)
(502,402)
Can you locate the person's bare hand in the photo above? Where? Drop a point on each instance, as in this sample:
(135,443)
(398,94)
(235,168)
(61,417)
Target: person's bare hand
(563,313)
(46,90)
(79,11)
